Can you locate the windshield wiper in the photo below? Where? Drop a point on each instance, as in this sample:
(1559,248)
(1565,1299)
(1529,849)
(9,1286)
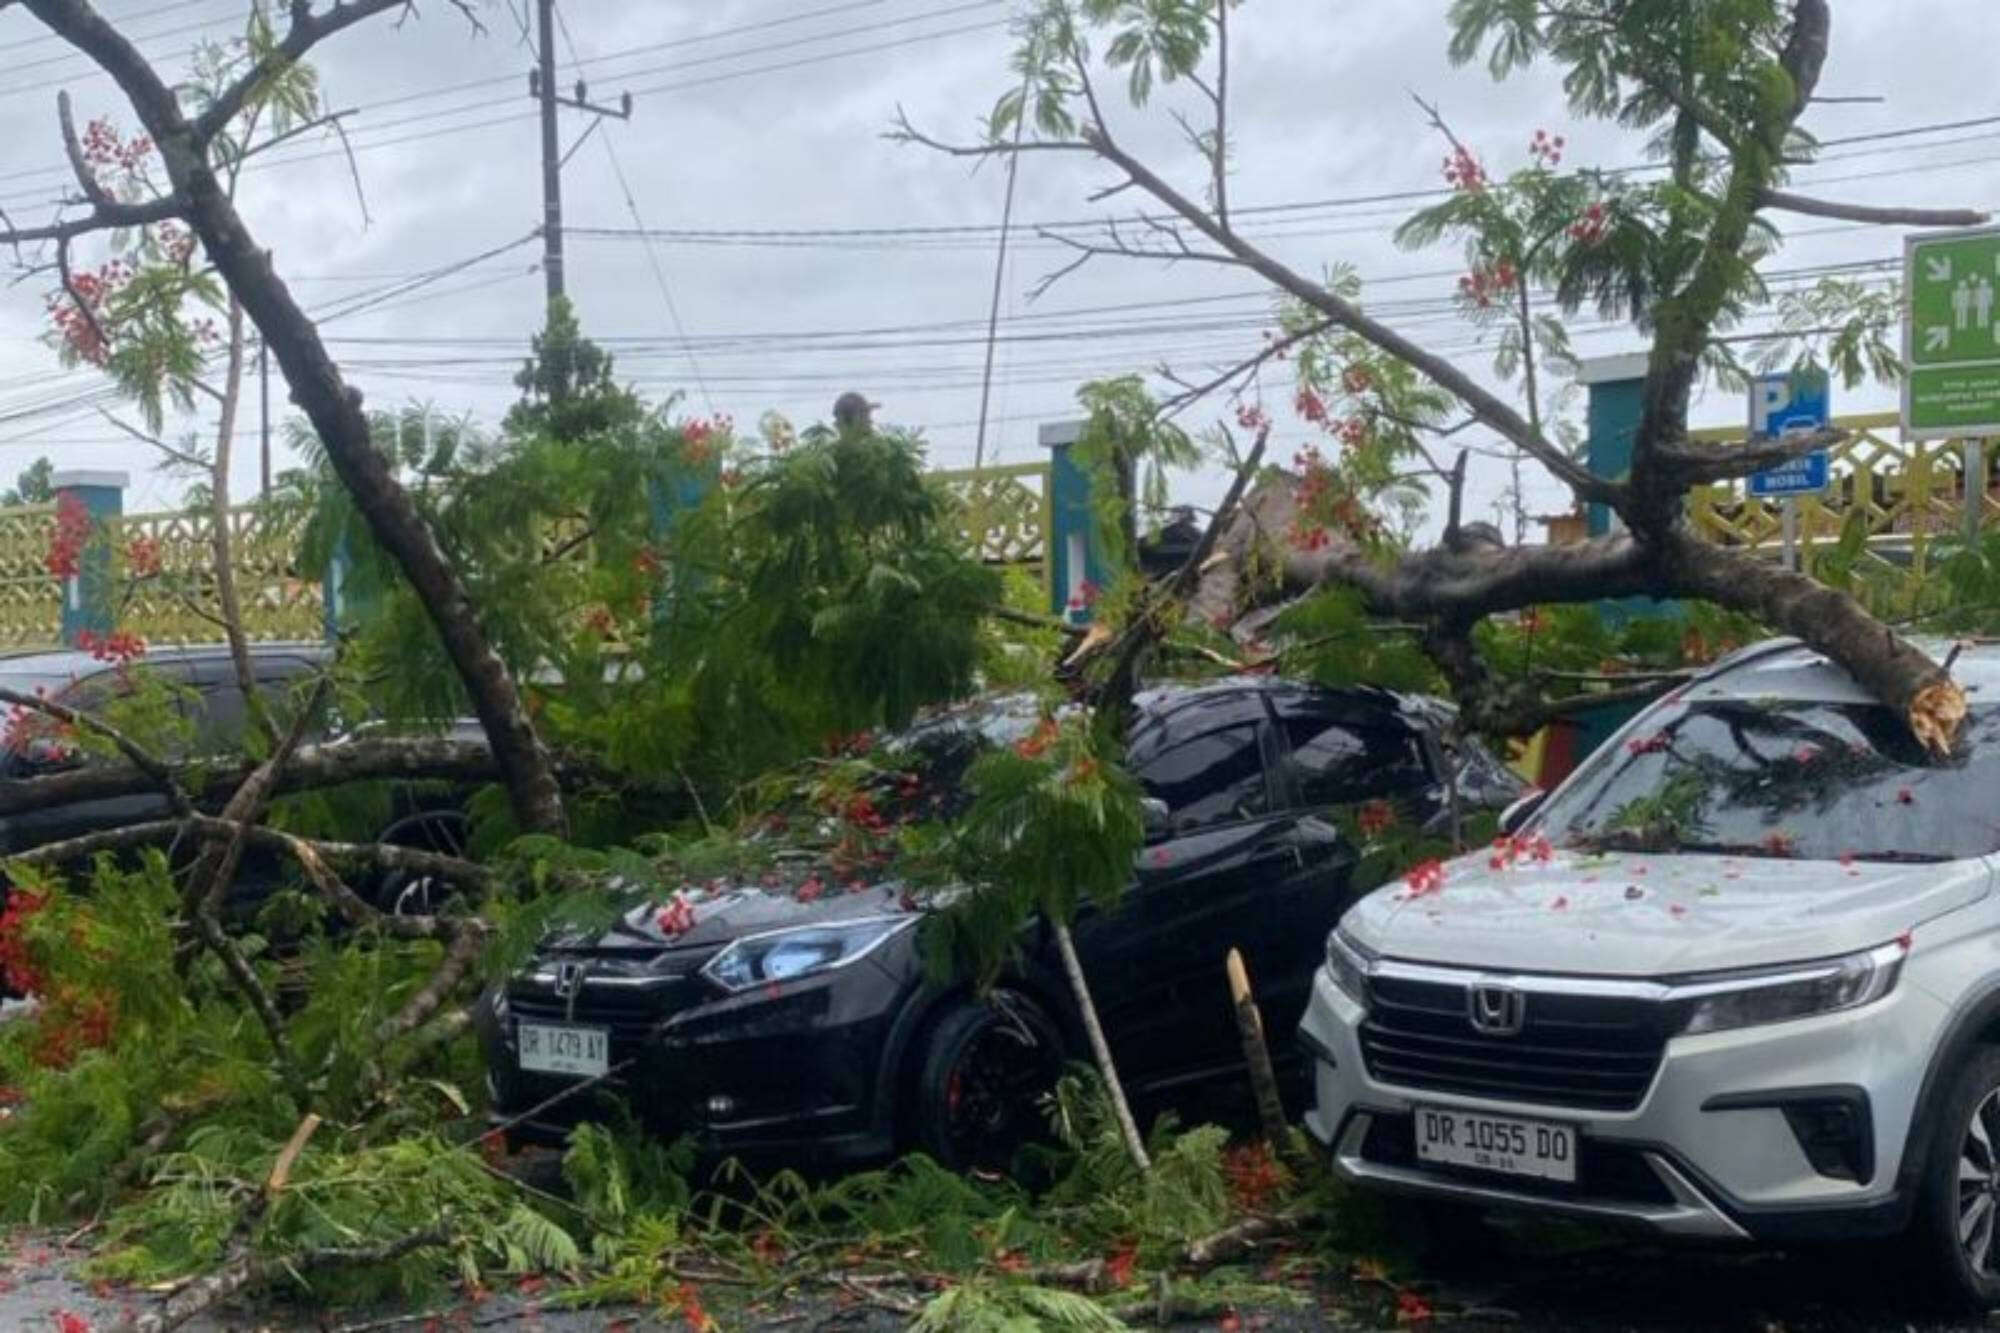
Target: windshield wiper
(1901,857)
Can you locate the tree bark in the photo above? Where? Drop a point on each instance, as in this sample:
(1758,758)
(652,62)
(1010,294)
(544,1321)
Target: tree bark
(1887,665)
(333,407)
(1257,1054)
(1100,1049)
(228,608)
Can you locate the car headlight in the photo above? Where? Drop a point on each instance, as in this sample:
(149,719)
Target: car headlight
(780,955)
(1775,995)
(1348,963)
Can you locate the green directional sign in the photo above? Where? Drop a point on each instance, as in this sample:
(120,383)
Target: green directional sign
(1951,333)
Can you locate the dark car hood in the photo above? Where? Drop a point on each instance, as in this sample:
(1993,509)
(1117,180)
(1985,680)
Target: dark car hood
(725,912)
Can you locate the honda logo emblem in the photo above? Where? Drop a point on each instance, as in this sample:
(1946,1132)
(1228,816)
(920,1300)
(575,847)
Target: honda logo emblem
(1496,1010)
(568,985)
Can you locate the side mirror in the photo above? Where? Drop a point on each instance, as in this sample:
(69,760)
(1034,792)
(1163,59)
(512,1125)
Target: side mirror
(1159,820)
(1521,811)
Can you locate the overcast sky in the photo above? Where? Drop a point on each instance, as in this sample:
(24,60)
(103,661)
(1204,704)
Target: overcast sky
(766,116)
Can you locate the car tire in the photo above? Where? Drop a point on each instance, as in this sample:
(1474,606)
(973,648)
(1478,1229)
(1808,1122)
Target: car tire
(982,1071)
(402,892)
(1956,1231)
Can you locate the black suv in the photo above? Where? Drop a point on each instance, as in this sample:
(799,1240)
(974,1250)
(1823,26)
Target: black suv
(208,690)
(805,1026)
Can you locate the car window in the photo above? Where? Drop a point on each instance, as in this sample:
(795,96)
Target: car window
(1213,778)
(1335,762)
(1792,778)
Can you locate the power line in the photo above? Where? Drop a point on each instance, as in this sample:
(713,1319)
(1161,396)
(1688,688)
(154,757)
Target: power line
(652,255)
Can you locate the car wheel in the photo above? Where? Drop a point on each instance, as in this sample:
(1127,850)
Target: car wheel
(1957,1228)
(408,893)
(986,1065)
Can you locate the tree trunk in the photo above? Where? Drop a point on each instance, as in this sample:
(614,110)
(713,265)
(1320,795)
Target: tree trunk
(228,607)
(1100,1049)
(1886,665)
(333,407)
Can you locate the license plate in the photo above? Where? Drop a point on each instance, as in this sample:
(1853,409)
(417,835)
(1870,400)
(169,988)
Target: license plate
(562,1048)
(1538,1148)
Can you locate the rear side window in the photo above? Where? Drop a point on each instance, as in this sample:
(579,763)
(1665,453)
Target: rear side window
(1334,762)
(1213,778)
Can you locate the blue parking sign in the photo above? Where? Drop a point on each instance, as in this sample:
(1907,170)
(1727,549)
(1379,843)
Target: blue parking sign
(1783,404)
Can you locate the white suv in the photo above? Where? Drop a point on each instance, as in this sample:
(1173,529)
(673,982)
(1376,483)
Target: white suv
(1738,977)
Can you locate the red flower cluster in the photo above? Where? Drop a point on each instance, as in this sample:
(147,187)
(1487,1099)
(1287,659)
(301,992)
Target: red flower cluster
(71,1024)
(1037,742)
(1483,284)
(1374,817)
(1425,879)
(1253,1175)
(1507,851)
(1310,406)
(93,290)
(1357,379)
(103,146)
(178,244)
(1463,172)
(72,533)
(599,621)
(69,1321)
(29,726)
(1778,843)
(121,647)
(676,918)
(17,969)
(1589,228)
(1251,417)
(1087,593)
(1652,744)
(142,557)
(1546,149)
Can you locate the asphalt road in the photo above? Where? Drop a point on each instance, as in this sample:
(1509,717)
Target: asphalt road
(1613,1288)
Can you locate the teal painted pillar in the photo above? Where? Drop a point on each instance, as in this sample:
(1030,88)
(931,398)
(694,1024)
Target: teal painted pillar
(1077,564)
(670,497)
(89,602)
(1615,384)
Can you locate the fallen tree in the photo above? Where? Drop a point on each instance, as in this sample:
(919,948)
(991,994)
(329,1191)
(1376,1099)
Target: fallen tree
(1677,256)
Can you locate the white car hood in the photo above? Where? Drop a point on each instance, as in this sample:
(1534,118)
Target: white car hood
(1629,915)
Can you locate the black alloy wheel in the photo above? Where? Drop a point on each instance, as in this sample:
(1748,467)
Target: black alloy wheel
(987,1066)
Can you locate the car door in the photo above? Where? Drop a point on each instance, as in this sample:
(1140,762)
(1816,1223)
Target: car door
(32,828)
(1155,963)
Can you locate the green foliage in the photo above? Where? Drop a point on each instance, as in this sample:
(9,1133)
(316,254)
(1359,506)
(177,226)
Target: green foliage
(619,1176)
(1183,1197)
(32,485)
(1011,1307)
(1054,822)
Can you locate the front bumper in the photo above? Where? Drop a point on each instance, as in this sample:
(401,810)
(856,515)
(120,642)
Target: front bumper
(1705,1153)
(793,1071)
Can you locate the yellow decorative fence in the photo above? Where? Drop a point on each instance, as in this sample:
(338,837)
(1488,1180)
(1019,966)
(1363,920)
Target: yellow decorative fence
(1902,495)
(279,600)
(1003,515)
(165,585)
(30,597)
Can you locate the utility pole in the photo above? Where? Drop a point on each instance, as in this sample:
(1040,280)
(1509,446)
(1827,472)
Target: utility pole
(542,86)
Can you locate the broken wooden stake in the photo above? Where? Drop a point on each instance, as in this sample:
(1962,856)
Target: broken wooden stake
(1257,1053)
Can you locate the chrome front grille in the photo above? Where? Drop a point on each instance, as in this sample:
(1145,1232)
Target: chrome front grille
(1594,1052)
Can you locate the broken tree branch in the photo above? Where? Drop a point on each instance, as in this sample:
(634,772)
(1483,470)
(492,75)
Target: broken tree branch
(1881,214)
